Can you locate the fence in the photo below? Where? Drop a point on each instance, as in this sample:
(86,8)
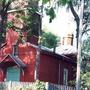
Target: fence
(32,86)
(51,86)
(16,86)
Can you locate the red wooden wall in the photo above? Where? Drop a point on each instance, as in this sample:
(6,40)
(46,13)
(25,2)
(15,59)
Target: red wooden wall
(49,68)
(71,73)
(26,52)
(49,63)
(28,55)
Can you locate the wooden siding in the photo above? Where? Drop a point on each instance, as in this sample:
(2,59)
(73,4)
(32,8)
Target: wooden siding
(28,55)
(52,68)
(51,65)
(48,69)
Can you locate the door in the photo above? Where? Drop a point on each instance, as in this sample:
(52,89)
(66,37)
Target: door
(13,74)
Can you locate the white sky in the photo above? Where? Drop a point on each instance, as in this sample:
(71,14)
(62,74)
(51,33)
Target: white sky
(62,24)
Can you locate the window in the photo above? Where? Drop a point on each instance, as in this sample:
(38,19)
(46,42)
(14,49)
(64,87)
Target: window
(13,74)
(15,50)
(65,77)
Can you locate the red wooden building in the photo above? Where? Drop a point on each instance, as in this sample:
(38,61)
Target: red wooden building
(56,68)
(18,63)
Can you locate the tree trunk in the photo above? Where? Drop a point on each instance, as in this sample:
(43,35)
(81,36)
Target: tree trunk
(79,23)
(76,19)
(79,46)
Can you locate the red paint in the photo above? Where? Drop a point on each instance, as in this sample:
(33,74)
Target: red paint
(49,68)
(11,37)
(27,54)
(49,62)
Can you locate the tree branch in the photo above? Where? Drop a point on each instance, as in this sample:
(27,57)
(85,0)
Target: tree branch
(85,31)
(7,6)
(76,19)
(3,13)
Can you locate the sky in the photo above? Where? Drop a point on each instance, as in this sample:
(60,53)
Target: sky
(62,25)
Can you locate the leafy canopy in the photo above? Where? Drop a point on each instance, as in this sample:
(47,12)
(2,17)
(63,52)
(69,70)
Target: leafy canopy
(49,40)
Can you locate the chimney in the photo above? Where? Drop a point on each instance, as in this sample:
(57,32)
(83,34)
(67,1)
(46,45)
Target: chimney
(15,49)
(68,40)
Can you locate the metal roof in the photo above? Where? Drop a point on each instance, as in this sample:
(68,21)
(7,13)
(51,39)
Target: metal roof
(66,49)
(62,50)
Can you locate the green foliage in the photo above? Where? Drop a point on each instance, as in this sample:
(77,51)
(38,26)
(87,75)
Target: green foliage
(4,5)
(32,10)
(86,45)
(40,85)
(32,21)
(51,13)
(9,25)
(63,2)
(49,40)
(6,1)
(85,65)
(71,83)
(37,85)
(45,1)
(85,79)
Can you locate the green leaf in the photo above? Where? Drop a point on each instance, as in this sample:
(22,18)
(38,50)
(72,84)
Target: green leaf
(49,40)
(9,24)
(63,2)
(51,13)
(45,1)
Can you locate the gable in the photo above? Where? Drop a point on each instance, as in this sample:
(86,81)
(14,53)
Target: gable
(14,59)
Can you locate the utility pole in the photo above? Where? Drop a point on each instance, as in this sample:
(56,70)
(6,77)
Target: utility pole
(79,46)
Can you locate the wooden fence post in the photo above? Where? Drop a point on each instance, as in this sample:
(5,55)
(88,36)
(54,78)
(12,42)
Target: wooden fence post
(9,85)
(47,85)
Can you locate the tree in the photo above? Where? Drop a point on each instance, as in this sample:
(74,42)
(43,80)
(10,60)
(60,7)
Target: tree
(9,6)
(85,65)
(49,40)
(4,6)
(74,6)
(79,28)
(82,24)
(50,11)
